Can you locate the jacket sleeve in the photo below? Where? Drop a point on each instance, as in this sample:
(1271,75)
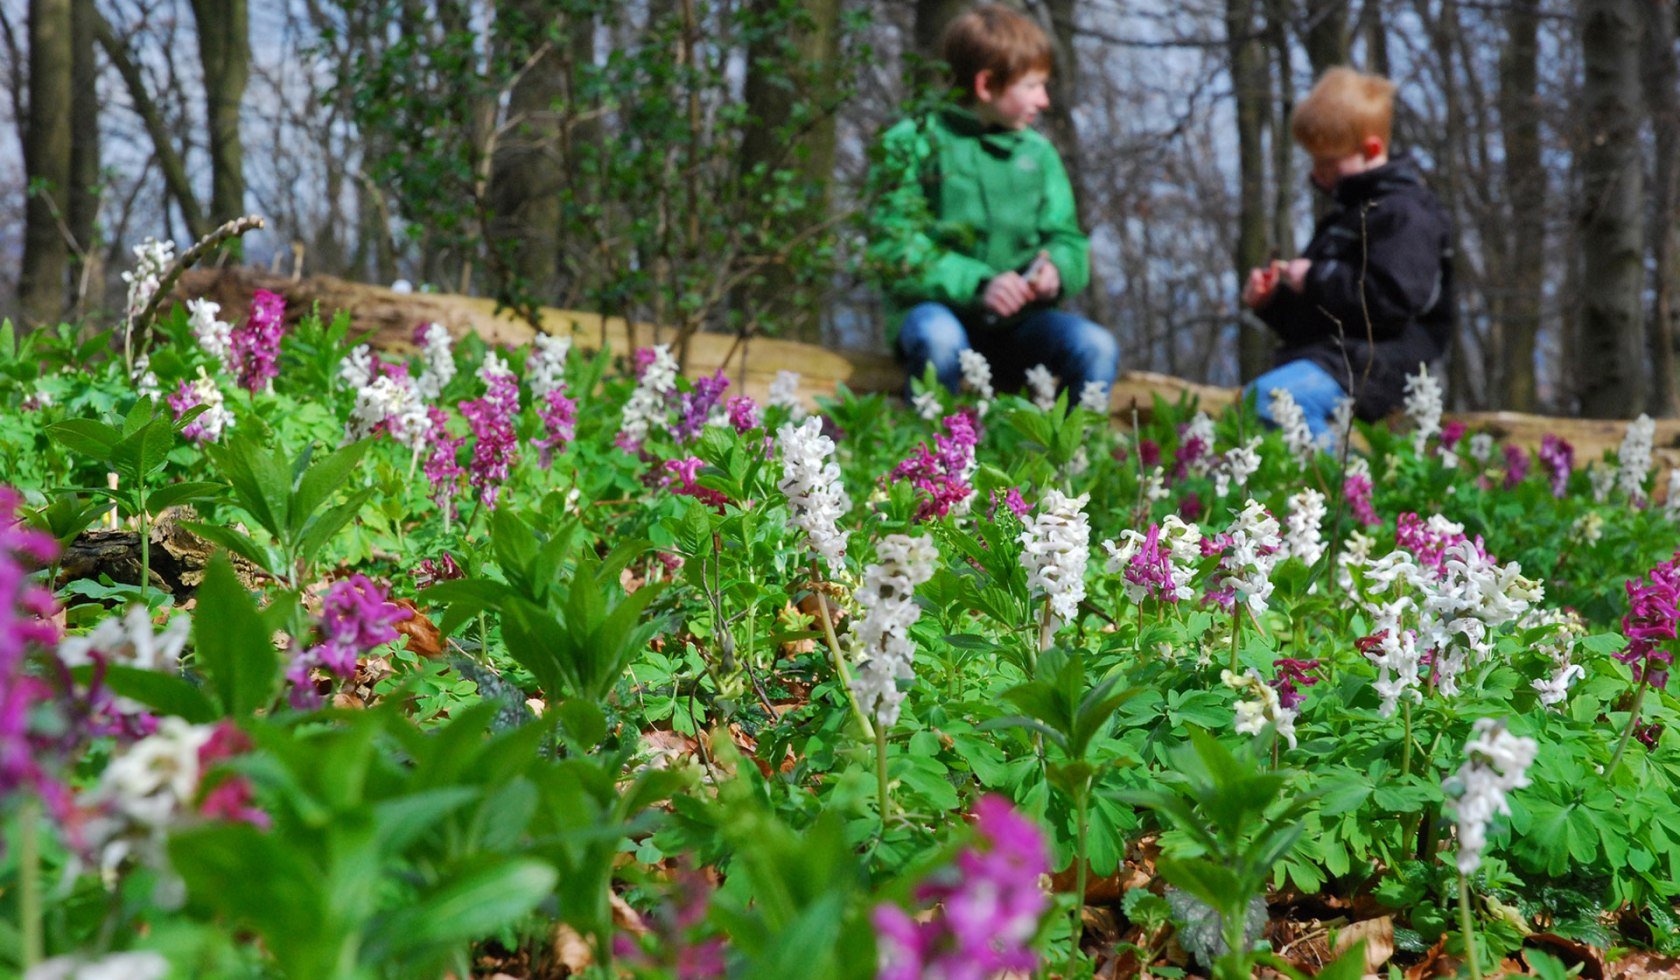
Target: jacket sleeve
(1059,227)
(1401,272)
(903,255)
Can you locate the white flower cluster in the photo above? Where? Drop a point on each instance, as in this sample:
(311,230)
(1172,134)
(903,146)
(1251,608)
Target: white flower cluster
(977,376)
(816,497)
(1634,457)
(1304,538)
(1255,550)
(880,639)
(1566,628)
(1460,610)
(1587,529)
(1396,657)
(1496,762)
(132,965)
(437,354)
(1671,506)
(1235,466)
(1341,426)
(145,379)
(1423,407)
(394,402)
(928,406)
(1055,547)
(1179,540)
(1200,428)
(214,335)
(1481,447)
(648,402)
(1042,384)
(355,369)
(216,419)
(1093,397)
(1261,706)
(1286,412)
(151,259)
(545,369)
(784,391)
(1602,479)
(143,793)
(128,640)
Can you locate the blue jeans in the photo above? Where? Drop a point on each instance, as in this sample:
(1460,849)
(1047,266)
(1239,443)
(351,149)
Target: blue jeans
(1314,389)
(1072,347)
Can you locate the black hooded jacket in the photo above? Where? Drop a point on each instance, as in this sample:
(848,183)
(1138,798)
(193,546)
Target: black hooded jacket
(1389,234)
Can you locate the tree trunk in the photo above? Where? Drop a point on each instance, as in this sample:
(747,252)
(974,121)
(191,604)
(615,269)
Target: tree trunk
(224,48)
(1375,33)
(1251,87)
(931,18)
(1661,75)
(791,67)
(525,172)
(46,160)
(1613,382)
(1325,34)
(1283,145)
(1525,195)
(84,190)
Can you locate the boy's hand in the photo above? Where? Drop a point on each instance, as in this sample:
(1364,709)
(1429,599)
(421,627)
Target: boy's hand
(1007,293)
(1046,279)
(1294,273)
(1260,287)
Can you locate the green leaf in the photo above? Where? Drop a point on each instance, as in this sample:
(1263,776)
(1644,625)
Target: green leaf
(233,646)
(321,481)
(239,544)
(166,694)
(88,437)
(178,493)
(469,906)
(321,530)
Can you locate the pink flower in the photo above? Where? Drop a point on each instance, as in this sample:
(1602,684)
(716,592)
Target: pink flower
(231,797)
(1559,457)
(356,617)
(1429,544)
(559,418)
(1653,610)
(1516,465)
(743,414)
(941,474)
(443,467)
(686,472)
(495,443)
(988,903)
(26,626)
(1451,432)
(1291,672)
(1356,490)
(256,343)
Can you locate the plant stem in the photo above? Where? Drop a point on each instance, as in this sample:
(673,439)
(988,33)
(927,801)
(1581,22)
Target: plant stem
(1083,827)
(483,640)
(1627,732)
(145,552)
(1406,752)
(1465,925)
(883,793)
(839,659)
(1236,632)
(1046,629)
(29,881)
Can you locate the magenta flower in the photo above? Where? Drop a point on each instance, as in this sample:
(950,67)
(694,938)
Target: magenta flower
(1429,544)
(1559,457)
(1190,506)
(431,572)
(941,474)
(26,626)
(1291,675)
(256,342)
(988,906)
(495,443)
(1451,432)
(1516,465)
(443,466)
(183,400)
(695,406)
(559,418)
(1149,452)
(1150,568)
(743,414)
(356,617)
(1653,610)
(685,473)
(230,798)
(1011,499)
(1356,490)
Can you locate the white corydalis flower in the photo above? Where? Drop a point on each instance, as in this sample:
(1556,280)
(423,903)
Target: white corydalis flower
(1259,706)
(1634,457)
(144,792)
(928,406)
(1054,550)
(1304,538)
(1566,628)
(1093,397)
(1341,426)
(1671,505)
(1292,422)
(396,404)
(1496,762)
(648,401)
(1602,479)
(145,379)
(816,498)
(1255,545)
(216,419)
(545,369)
(1042,384)
(1200,431)
(214,335)
(355,370)
(1481,448)
(976,376)
(879,642)
(152,259)
(1235,466)
(1423,407)
(128,640)
(784,393)
(437,354)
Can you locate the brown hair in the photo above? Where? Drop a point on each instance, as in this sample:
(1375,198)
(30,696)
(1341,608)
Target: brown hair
(994,38)
(1344,108)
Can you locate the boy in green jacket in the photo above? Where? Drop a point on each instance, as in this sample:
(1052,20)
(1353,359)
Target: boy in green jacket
(976,238)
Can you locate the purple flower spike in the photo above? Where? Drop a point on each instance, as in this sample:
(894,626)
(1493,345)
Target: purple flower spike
(356,617)
(1559,457)
(1516,465)
(1653,611)
(256,342)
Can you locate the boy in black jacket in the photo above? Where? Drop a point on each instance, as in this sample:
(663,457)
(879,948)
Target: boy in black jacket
(1370,299)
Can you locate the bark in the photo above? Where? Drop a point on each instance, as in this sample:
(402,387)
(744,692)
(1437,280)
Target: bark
(84,190)
(46,158)
(224,48)
(163,144)
(931,18)
(789,71)
(1525,193)
(1250,85)
(1282,144)
(1661,81)
(525,172)
(1612,342)
(1325,34)
(1375,34)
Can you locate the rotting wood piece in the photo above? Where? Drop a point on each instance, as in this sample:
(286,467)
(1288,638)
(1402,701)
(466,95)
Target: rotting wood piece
(178,557)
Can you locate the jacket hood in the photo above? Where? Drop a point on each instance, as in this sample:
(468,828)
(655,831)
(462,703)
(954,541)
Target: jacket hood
(963,122)
(1398,173)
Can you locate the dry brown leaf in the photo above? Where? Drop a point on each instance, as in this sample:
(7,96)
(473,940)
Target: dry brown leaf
(571,949)
(1590,959)
(1379,940)
(1643,965)
(424,638)
(625,917)
(1435,963)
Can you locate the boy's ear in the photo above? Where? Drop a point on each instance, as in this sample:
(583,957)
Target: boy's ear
(983,85)
(1373,147)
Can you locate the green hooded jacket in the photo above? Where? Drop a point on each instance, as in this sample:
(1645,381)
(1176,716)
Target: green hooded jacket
(958,202)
